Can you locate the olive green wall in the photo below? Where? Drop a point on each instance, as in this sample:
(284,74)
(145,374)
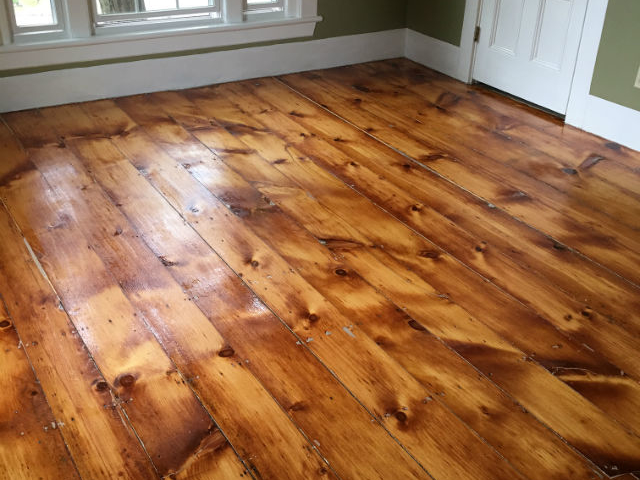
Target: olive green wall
(340,17)
(349,17)
(619,55)
(441,19)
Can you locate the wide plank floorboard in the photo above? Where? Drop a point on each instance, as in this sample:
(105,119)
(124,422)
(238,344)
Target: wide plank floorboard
(368,272)
(29,429)
(442,143)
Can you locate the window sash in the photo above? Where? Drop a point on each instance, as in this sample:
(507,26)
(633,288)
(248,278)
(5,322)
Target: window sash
(42,31)
(265,5)
(186,13)
(76,20)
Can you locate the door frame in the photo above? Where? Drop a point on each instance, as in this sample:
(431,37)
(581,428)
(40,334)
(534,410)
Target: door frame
(585,62)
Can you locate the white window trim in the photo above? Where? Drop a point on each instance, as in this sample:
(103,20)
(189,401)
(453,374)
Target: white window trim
(35,33)
(82,45)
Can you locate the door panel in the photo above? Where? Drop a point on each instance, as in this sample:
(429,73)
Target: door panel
(529,48)
(505,34)
(551,32)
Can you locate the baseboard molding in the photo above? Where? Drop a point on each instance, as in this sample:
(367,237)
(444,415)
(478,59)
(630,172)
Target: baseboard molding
(609,120)
(595,115)
(436,54)
(120,79)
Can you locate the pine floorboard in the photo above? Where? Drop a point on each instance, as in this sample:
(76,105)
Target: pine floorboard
(367,272)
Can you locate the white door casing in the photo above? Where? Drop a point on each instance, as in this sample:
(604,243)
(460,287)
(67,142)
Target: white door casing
(528,48)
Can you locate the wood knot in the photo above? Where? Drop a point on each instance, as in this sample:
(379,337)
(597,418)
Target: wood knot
(166,262)
(313,318)
(417,326)
(415,208)
(401,416)
(298,406)
(429,254)
(255,263)
(361,88)
(240,212)
(5,324)
(570,171)
(126,380)
(226,352)
(586,313)
(342,272)
(447,99)
(102,386)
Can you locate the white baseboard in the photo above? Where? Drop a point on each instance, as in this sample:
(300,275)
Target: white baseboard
(433,53)
(113,80)
(611,121)
(20,92)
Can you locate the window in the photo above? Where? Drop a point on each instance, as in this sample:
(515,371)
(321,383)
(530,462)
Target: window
(36,33)
(114,12)
(33,20)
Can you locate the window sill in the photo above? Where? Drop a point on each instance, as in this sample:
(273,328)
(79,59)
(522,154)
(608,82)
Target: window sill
(130,44)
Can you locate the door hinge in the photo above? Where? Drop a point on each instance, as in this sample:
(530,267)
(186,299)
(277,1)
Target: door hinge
(476,34)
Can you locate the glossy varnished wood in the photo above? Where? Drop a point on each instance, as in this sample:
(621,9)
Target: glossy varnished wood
(366,272)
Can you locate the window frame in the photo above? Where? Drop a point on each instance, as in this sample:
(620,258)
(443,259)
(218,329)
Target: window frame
(229,12)
(37,33)
(81,43)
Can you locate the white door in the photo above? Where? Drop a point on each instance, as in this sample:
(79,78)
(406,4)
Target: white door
(528,48)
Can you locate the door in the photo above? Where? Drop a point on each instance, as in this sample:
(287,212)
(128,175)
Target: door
(529,48)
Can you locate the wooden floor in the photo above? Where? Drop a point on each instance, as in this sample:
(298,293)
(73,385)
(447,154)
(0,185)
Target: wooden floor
(367,272)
